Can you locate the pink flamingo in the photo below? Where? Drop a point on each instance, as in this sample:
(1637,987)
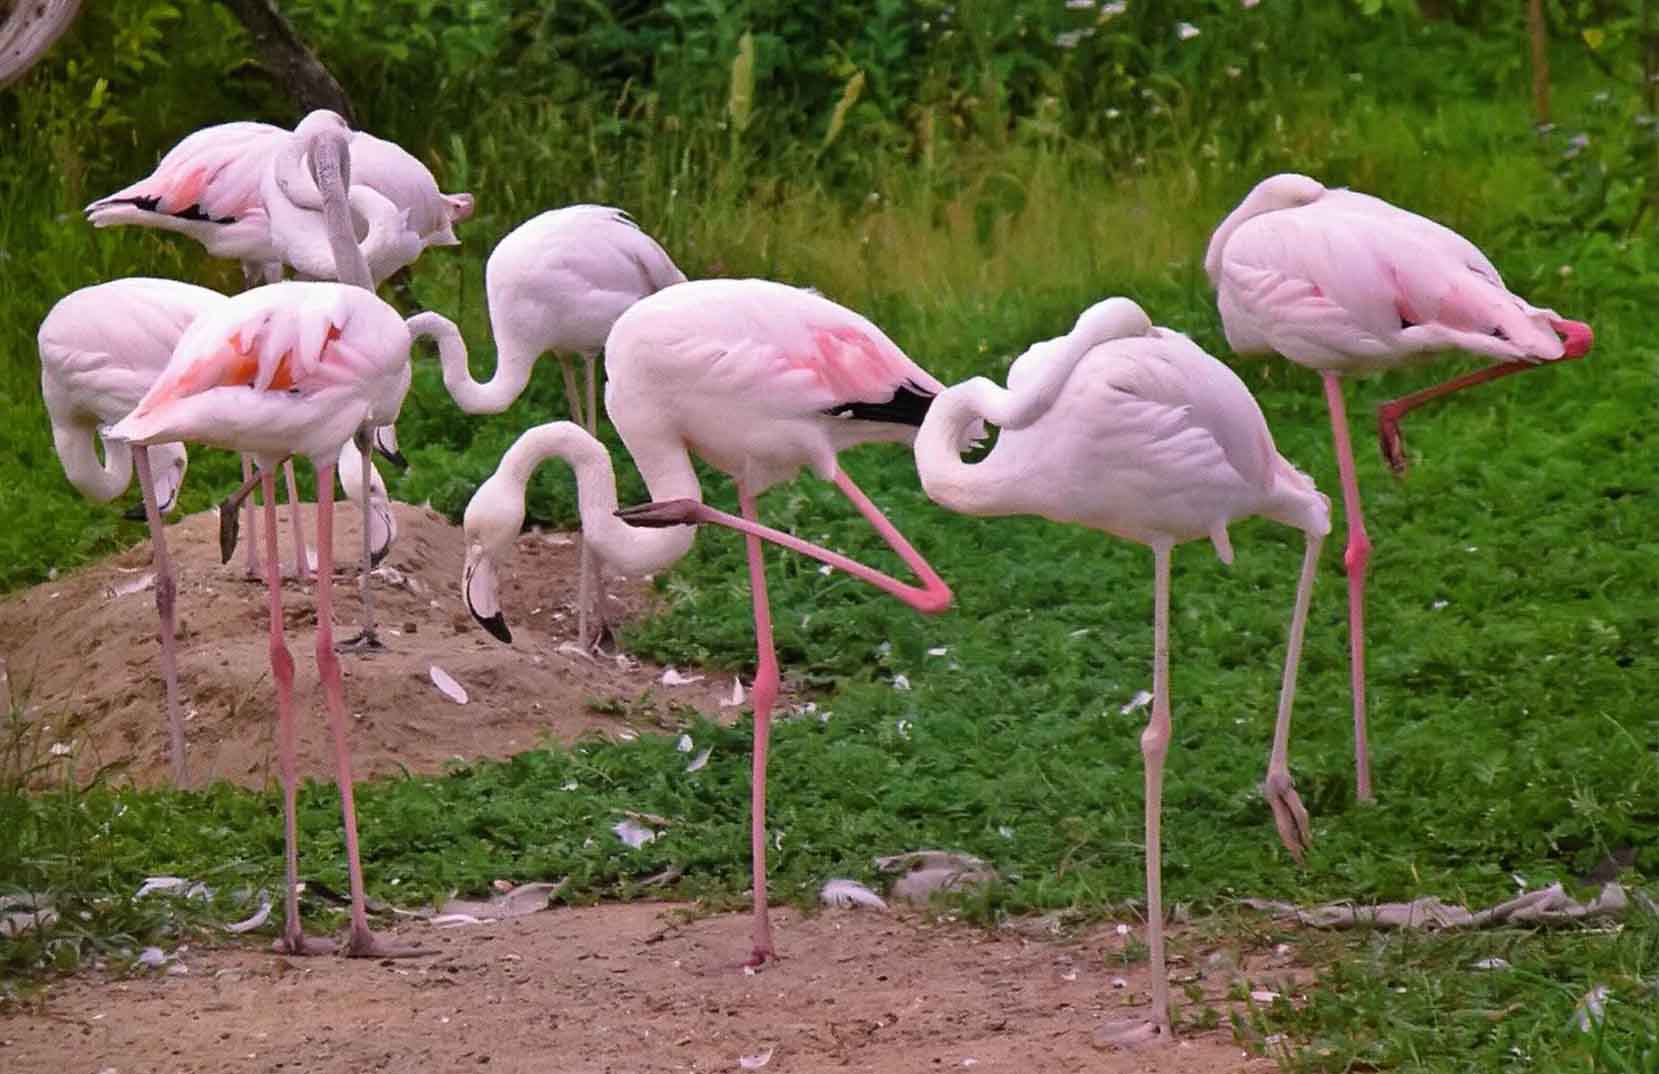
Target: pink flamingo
(290,369)
(1345,283)
(558,282)
(759,379)
(1135,431)
(100,349)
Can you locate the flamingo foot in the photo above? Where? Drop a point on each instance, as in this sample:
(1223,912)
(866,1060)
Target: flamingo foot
(662,513)
(758,957)
(367,641)
(296,942)
(1124,1034)
(1389,439)
(1288,814)
(365,944)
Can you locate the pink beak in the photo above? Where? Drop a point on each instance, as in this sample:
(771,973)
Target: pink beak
(1576,337)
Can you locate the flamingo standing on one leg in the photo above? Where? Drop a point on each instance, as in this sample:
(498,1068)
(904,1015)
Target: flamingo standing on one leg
(558,282)
(290,369)
(1346,283)
(758,379)
(100,349)
(1135,431)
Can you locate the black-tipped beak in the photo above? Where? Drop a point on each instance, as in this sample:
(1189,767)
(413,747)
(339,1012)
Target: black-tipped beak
(135,513)
(230,524)
(378,554)
(496,625)
(396,458)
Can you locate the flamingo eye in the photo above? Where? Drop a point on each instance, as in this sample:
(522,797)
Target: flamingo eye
(1499,333)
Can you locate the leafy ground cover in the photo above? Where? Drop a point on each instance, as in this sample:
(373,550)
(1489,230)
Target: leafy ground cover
(1512,664)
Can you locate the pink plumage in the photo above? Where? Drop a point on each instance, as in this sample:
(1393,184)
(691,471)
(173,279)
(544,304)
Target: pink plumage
(1342,282)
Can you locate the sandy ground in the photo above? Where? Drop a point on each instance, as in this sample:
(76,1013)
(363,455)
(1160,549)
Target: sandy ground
(631,988)
(624,988)
(83,662)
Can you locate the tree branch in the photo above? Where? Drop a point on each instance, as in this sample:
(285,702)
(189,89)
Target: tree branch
(288,59)
(29,28)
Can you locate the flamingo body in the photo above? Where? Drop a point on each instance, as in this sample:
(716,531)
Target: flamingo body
(289,368)
(101,348)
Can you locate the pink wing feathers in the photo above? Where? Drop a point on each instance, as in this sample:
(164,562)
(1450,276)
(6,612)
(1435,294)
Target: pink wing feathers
(212,175)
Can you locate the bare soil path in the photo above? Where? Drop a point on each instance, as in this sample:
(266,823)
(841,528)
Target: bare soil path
(629,988)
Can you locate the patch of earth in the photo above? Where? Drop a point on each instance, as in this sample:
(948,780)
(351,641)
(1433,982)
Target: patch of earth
(638,988)
(83,662)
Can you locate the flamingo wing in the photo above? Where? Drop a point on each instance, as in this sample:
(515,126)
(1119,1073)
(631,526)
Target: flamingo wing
(212,175)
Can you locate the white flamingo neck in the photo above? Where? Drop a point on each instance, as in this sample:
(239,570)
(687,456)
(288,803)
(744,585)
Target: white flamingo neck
(98,481)
(628,549)
(1287,191)
(969,489)
(475,397)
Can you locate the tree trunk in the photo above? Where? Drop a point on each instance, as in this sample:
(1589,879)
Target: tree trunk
(28,29)
(285,56)
(1539,32)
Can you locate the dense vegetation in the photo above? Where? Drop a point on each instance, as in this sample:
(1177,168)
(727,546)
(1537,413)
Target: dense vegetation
(970,176)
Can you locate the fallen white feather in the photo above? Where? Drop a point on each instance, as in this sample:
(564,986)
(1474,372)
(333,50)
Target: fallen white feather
(154,884)
(61,749)
(845,893)
(152,957)
(672,677)
(901,682)
(700,760)
(940,651)
(1490,964)
(507,902)
(633,833)
(447,685)
(127,589)
(755,1062)
(1139,701)
(570,648)
(684,744)
(1264,996)
(453,921)
(736,697)
(1592,1008)
(18,922)
(260,916)
(1551,904)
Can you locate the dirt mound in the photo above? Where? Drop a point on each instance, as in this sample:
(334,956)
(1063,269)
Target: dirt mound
(81,652)
(630,989)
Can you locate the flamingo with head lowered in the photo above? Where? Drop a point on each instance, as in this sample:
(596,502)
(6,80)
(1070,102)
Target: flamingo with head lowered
(1135,431)
(290,369)
(558,282)
(758,379)
(1345,283)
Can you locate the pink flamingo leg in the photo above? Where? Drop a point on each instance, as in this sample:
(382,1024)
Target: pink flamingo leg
(1154,748)
(1356,558)
(294,941)
(762,696)
(1289,816)
(249,480)
(166,592)
(930,598)
(362,943)
(302,564)
(1577,339)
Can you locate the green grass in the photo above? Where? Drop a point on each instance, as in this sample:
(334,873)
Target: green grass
(1511,619)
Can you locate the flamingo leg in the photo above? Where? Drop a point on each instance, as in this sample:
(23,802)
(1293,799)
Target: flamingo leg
(362,943)
(367,638)
(246,495)
(1154,748)
(762,696)
(166,592)
(1279,790)
(584,584)
(593,581)
(1355,559)
(302,564)
(1390,413)
(294,941)
(931,597)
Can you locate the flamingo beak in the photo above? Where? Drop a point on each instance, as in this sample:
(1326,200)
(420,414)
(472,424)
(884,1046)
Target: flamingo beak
(1576,337)
(478,585)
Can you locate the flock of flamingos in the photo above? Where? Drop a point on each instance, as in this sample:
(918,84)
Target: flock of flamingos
(1119,425)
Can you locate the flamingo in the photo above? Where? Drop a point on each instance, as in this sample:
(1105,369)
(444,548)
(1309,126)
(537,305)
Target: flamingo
(1135,431)
(290,369)
(558,282)
(101,348)
(758,379)
(1345,283)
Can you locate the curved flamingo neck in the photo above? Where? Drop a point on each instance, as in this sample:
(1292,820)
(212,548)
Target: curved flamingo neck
(512,373)
(99,481)
(630,550)
(1286,191)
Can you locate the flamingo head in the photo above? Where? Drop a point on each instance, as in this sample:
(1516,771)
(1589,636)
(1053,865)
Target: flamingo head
(492,523)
